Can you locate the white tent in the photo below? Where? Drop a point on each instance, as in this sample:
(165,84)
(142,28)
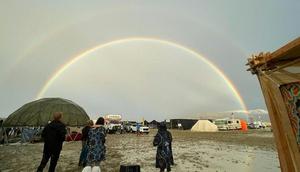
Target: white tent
(204,126)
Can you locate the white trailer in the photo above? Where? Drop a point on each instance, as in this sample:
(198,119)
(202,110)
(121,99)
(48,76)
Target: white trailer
(113,123)
(228,124)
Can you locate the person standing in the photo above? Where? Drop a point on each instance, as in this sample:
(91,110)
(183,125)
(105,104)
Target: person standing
(3,136)
(84,150)
(96,145)
(138,128)
(54,135)
(163,141)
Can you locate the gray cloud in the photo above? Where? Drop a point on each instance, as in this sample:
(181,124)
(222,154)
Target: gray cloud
(45,36)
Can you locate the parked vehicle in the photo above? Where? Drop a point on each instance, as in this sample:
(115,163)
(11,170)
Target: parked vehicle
(257,125)
(127,125)
(113,123)
(222,124)
(228,124)
(143,129)
(234,124)
(251,126)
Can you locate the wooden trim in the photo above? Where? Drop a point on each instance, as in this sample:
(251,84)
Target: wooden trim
(290,63)
(281,78)
(285,49)
(286,142)
(290,138)
(266,61)
(289,74)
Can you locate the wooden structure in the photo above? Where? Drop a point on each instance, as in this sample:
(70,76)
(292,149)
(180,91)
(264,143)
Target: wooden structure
(279,77)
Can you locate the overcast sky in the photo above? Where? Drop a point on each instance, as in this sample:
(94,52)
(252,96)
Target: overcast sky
(139,78)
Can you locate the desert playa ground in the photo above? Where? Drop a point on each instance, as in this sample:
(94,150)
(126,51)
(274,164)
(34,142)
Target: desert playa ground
(221,151)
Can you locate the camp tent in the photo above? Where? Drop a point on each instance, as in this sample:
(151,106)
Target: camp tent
(153,124)
(204,126)
(279,77)
(39,112)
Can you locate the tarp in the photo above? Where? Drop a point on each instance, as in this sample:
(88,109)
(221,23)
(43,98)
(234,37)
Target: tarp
(244,126)
(204,126)
(28,134)
(39,112)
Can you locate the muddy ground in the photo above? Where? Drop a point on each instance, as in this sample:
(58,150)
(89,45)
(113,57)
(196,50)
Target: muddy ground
(220,151)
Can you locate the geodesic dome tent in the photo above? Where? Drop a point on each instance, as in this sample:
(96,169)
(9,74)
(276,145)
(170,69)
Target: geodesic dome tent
(39,112)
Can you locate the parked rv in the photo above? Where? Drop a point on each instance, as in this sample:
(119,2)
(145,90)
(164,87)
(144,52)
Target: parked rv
(113,123)
(228,124)
(234,124)
(222,124)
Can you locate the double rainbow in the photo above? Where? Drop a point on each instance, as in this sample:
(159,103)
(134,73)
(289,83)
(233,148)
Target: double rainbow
(81,55)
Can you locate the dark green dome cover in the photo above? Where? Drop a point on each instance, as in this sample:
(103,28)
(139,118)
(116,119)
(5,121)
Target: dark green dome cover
(39,112)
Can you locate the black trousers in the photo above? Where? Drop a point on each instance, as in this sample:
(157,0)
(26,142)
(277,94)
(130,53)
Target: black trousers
(46,156)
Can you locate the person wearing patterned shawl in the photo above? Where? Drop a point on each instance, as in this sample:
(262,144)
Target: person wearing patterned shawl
(163,141)
(96,144)
(84,138)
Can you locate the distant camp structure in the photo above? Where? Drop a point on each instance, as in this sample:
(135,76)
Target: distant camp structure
(185,124)
(153,124)
(204,126)
(40,112)
(279,76)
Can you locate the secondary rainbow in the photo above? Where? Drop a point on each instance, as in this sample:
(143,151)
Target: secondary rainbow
(75,59)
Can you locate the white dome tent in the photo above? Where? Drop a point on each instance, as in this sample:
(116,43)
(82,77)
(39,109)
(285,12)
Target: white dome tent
(204,126)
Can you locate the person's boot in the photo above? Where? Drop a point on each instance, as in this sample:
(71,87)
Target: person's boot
(168,167)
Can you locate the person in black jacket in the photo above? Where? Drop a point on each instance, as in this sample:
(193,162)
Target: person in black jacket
(164,154)
(54,136)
